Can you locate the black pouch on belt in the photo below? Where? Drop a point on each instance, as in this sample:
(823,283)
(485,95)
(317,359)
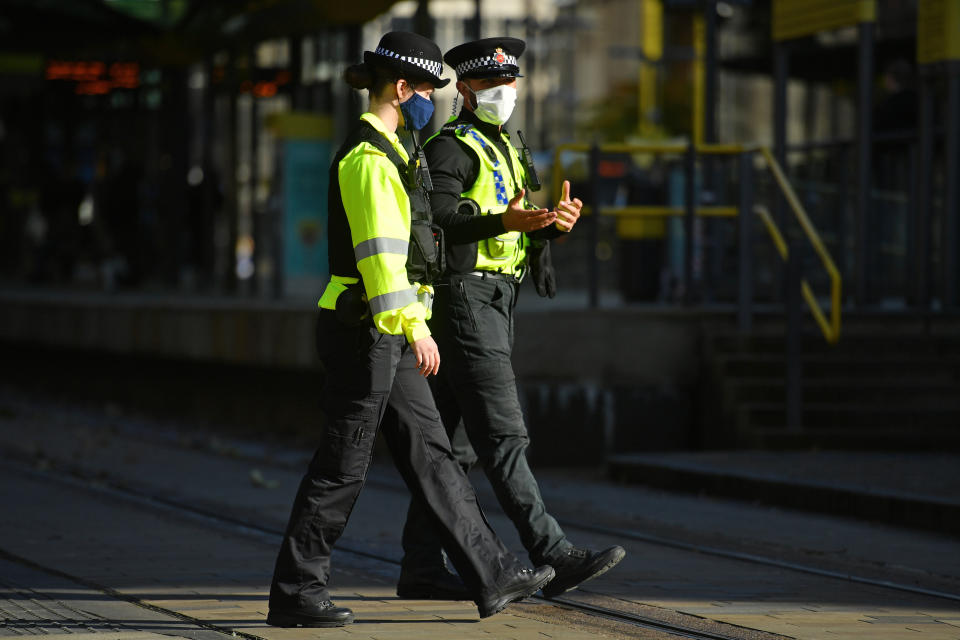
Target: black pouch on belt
(352,309)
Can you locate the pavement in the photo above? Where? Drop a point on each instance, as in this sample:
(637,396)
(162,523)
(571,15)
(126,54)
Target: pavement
(77,555)
(912,489)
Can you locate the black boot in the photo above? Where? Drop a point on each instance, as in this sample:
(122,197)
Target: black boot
(522,583)
(576,566)
(436,583)
(321,614)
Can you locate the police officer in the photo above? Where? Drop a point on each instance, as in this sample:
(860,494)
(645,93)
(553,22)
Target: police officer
(377,350)
(476,168)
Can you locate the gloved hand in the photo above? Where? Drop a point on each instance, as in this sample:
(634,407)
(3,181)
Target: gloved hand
(541,269)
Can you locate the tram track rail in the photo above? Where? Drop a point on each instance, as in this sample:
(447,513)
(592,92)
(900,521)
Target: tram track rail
(710,550)
(66,474)
(92,477)
(622,533)
(729,554)
(267,462)
(255,455)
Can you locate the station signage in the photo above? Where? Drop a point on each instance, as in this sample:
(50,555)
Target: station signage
(94,77)
(799,18)
(938,31)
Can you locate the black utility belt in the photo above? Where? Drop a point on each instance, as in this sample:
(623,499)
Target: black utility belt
(494,275)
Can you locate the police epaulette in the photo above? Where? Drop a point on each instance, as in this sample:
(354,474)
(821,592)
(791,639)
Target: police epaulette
(460,128)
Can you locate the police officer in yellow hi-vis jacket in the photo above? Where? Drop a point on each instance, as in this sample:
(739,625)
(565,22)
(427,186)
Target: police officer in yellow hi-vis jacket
(475,168)
(377,350)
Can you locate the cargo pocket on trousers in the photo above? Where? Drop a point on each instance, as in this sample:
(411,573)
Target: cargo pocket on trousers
(346,447)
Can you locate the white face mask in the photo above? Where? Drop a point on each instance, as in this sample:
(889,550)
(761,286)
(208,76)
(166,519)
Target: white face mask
(495,105)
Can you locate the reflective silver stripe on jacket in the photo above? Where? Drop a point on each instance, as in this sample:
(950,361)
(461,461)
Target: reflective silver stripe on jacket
(373,246)
(426,299)
(393,300)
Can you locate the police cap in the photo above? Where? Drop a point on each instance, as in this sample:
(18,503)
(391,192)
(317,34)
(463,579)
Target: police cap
(417,58)
(487,58)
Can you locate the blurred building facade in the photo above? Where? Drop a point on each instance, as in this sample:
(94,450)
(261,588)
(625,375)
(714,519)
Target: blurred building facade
(174,154)
(145,145)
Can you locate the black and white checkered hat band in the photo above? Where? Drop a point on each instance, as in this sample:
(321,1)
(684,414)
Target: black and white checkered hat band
(431,66)
(483,62)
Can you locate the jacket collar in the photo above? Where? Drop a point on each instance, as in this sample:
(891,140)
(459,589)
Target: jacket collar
(394,139)
(490,131)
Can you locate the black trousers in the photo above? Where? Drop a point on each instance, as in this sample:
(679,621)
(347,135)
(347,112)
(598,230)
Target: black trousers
(477,397)
(372,380)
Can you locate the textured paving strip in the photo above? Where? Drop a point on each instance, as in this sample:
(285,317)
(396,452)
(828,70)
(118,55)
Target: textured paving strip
(35,602)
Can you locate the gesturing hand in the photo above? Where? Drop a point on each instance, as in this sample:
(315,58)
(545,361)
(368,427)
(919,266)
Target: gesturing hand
(428,356)
(568,211)
(516,218)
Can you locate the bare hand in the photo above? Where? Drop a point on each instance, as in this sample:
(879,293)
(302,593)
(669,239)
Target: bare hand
(427,355)
(516,218)
(568,211)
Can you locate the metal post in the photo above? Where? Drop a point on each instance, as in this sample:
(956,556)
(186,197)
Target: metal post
(951,196)
(529,109)
(924,187)
(296,73)
(277,220)
(745,220)
(251,285)
(710,77)
(863,251)
(690,204)
(210,209)
(712,183)
(474,24)
(354,51)
(422,22)
(177,147)
(593,268)
(231,185)
(794,337)
(781,71)
(781,76)
(843,198)
(913,205)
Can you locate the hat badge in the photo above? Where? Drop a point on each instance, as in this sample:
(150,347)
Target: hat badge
(499,57)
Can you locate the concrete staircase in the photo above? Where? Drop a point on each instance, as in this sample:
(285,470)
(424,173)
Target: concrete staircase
(891,383)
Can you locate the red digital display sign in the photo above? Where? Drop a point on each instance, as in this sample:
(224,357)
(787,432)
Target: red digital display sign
(95,77)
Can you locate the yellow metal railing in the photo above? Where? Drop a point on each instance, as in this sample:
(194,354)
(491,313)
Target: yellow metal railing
(654,211)
(830,327)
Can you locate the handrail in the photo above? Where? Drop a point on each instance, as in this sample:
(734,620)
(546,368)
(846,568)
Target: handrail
(624,147)
(830,328)
(831,331)
(657,211)
(629,147)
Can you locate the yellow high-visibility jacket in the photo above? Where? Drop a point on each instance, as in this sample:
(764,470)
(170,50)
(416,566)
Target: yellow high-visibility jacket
(371,194)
